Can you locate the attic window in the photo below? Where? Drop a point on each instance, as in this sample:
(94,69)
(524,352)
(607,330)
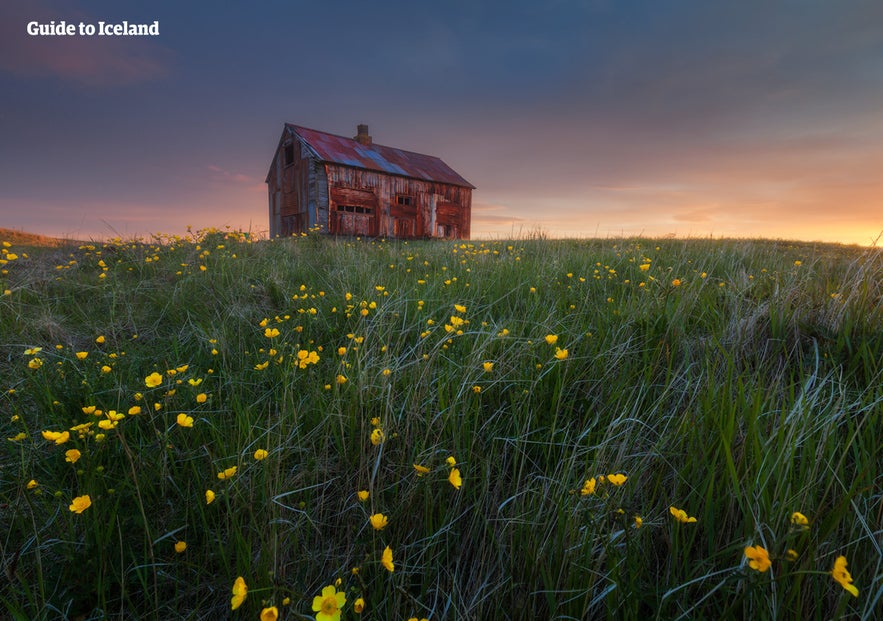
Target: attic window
(289,154)
(401,199)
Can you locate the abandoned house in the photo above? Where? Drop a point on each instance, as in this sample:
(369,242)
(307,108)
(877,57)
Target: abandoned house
(351,186)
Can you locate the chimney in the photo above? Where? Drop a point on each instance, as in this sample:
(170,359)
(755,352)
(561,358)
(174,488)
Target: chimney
(362,137)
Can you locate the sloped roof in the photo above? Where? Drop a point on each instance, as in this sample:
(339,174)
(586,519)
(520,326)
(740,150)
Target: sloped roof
(349,152)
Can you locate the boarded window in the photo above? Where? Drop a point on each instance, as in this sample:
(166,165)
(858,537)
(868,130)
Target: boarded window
(289,154)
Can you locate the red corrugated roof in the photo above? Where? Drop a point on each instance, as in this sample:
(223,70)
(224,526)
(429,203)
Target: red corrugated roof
(349,152)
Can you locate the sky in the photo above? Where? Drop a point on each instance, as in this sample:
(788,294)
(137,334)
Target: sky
(573,118)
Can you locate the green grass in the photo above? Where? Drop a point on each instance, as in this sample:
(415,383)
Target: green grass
(740,381)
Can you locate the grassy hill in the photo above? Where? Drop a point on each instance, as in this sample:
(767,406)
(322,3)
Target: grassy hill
(526,429)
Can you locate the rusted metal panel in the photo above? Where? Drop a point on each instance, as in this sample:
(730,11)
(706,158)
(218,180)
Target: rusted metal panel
(350,152)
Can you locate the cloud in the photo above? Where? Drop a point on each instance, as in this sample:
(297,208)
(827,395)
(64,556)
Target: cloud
(92,61)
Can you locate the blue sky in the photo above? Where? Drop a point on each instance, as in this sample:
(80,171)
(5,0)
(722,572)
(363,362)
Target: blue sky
(574,117)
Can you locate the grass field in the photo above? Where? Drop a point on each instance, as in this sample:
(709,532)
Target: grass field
(529,429)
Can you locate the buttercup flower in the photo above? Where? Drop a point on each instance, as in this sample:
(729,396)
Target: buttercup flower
(228,473)
(328,604)
(680,515)
(451,461)
(80,504)
(209,496)
(377,436)
(454,478)
(362,495)
(153,380)
(184,420)
(32,484)
(180,546)
(639,521)
(551,339)
(378,521)
(420,470)
(59,437)
(271,333)
(561,354)
(82,355)
(359,606)
(758,558)
(841,575)
(488,367)
(589,487)
(270,614)
(798,519)
(201,397)
(240,592)
(617,479)
(260,454)
(386,559)
(72,456)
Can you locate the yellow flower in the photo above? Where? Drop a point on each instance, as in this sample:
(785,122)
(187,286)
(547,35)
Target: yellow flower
(841,575)
(240,592)
(106,369)
(617,479)
(209,496)
(270,614)
(21,435)
(80,503)
(589,487)
(72,456)
(99,339)
(386,559)
(81,355)
(180,546)
(378,521)
(488,367)
(676,282)
(184,420)
(260,454)
(421,470)
(341,351)
(459,308)
(35,363)
(791,554)
(798,519)
(561,354)
(59,437)
(32,484)
(359,606)
(263,365)
(551,339)
(340,379)
(362,495)
(680,515)
(134,410)
(228,473)
(644,267)
(758,558)
(377,436)
(201,397)
(639,521)
(451,461)
(328,604)
(271,333)
(153,380)
(455,479)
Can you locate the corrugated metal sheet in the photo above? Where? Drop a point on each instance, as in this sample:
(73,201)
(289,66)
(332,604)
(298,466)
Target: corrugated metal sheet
(349,152)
